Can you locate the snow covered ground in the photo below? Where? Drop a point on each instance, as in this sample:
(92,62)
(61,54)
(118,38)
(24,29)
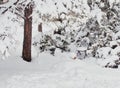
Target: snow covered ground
(58,71)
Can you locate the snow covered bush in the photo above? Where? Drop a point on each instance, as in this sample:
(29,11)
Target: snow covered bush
(59,39)
(64,23)
(9,38)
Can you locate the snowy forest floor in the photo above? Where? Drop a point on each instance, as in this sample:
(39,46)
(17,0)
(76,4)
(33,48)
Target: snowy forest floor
(58,71)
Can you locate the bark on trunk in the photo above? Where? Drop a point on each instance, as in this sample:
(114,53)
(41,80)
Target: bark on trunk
(26,54)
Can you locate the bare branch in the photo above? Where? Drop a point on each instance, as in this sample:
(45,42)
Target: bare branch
(10,7)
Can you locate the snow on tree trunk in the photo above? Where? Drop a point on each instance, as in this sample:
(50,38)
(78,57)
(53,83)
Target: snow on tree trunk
(26,55)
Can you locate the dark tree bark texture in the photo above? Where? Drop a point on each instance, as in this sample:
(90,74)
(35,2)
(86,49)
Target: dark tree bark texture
(26,53)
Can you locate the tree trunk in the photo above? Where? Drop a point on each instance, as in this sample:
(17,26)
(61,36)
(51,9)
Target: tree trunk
(26,54)
(40,27)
